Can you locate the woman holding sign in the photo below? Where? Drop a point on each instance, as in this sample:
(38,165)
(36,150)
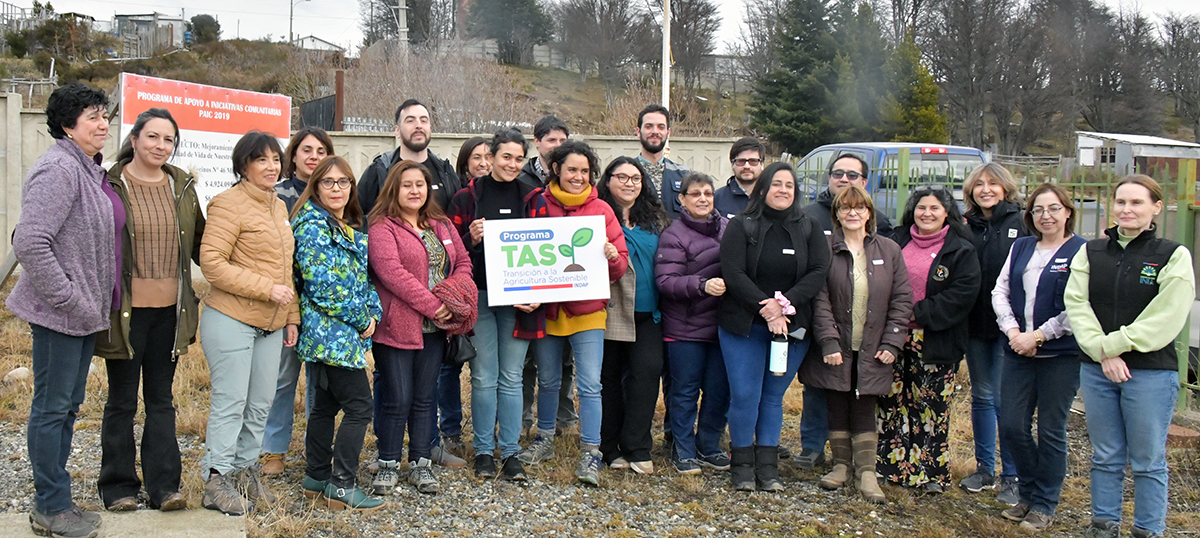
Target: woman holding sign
(633,348)
(570,193)
(500,355)
(412,250)
(774,260)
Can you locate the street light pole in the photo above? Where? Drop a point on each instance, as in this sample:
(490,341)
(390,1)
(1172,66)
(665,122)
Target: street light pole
(291,16)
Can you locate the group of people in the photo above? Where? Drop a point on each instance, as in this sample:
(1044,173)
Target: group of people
(723,296)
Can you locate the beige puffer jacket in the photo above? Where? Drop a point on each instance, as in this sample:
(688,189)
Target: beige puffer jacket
(247,249)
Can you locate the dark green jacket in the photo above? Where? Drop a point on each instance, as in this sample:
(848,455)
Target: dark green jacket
(114,343)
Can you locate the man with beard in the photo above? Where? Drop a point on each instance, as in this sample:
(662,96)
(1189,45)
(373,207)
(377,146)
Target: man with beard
(414,130)
(548,133)
(746,156)
(653,130)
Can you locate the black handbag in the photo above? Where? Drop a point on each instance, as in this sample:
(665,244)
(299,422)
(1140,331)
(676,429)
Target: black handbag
(459,350)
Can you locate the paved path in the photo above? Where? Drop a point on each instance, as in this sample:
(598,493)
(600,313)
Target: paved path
(196,523)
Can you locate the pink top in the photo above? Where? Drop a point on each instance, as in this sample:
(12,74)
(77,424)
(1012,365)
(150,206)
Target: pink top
(919,254)
(399,266)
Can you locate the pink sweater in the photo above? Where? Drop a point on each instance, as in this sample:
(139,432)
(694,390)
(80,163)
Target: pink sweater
(400,271)
(918,257)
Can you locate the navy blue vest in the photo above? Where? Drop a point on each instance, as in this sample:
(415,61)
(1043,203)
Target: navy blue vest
(1048,301)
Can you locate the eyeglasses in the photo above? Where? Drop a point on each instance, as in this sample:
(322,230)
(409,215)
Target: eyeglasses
(627,179)
(929,189)
(341,183)
(860,209)
(838,174)
(1038,211)
(744,162)
(699,194)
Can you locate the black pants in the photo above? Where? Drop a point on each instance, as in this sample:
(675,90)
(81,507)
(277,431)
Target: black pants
(849,412)
(152,336)
(630,376)
(337,389)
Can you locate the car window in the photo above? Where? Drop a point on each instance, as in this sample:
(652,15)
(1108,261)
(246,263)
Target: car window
(811,172)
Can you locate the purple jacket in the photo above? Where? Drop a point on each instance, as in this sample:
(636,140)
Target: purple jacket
(689,253)
(65,243)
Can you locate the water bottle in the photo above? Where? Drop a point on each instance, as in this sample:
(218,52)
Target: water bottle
(779,355)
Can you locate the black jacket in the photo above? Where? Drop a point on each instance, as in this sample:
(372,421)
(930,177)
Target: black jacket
(445,180)
(821,212)
(950,291)
(994,237)
(739,266)
(529,176)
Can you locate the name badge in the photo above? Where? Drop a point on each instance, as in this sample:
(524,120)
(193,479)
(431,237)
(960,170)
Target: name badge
(505,211)
(827,232)
(447,242)
(434,187)
(1012,233)
(729,216)
(877,262)
(1060,260)
(789,252)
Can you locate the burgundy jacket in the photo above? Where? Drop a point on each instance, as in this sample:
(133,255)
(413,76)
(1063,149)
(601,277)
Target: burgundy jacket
(889,307)
(689,253)
(399,266)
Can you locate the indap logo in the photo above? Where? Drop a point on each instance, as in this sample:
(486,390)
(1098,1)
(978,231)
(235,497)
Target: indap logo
(544,255)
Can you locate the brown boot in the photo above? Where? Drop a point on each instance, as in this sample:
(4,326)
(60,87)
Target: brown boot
(839,444)
(865,445)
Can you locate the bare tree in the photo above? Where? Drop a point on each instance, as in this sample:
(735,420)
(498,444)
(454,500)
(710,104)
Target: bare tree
(1180,73)
(603,33)
(1114,88)
(963,41)
(694,38)
(755,47)
(905,15)
(464,94)
(1025,97)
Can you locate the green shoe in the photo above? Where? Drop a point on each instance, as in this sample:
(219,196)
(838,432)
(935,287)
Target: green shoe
(313,487)
(349,499)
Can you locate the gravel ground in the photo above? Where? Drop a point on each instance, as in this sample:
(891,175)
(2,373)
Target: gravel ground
(627,505)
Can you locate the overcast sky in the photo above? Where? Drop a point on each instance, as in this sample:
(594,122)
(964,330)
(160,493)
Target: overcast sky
(337,20)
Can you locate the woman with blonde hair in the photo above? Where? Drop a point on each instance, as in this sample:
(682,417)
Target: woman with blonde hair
(992,207)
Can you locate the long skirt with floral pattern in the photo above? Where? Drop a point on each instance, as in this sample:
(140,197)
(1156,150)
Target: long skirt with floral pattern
(914,420)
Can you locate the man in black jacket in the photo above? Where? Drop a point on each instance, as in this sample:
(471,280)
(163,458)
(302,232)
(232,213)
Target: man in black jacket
(847,170)
(414,130)
(746,156)
(548,133)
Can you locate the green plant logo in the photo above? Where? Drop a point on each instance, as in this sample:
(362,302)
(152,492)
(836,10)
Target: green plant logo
(580,238)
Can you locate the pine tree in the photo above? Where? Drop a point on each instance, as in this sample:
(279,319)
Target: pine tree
(792,105)
(912,109)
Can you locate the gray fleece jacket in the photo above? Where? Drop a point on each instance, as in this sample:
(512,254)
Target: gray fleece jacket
(64,243)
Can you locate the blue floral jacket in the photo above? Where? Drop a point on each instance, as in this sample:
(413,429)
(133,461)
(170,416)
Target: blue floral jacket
(337,300)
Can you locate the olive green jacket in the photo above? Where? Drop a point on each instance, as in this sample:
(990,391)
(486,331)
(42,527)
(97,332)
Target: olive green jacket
(114,343)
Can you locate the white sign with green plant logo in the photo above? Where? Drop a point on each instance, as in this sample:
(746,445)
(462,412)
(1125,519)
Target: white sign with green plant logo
(545,260)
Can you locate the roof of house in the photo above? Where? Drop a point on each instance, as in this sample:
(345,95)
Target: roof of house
(1140,140)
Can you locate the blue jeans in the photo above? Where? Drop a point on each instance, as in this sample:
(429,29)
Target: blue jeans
(695,368)
(496,380)
(405,385)
(278,435)
(60,369)
(985,361)
(449,404)
(589,357)
(814,420)
(1127,423)
(755,394)
(1046,386)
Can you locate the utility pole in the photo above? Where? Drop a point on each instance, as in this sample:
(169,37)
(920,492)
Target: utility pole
(666,55)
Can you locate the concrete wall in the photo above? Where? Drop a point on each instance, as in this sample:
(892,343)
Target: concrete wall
(24,138)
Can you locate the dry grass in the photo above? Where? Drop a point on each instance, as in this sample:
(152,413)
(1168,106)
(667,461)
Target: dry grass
(702,501)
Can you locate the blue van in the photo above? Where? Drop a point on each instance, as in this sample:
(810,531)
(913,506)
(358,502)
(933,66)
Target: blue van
(928,163)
